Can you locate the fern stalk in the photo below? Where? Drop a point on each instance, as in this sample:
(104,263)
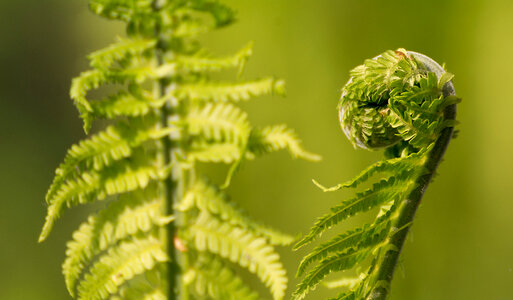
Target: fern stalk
(168,188)
(411,203)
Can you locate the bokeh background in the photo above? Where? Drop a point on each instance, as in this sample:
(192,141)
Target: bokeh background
(461,245)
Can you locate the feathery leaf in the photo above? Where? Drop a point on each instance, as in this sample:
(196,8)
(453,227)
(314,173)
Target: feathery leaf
(221,122)
(223,92)
(93,185)
(136,212)
(275,138)
(216,281)
(380,193)
(124,47)
(120,264)
(242,247)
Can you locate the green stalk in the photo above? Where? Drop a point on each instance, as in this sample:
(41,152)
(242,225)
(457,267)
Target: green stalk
(411,203)
(168,186)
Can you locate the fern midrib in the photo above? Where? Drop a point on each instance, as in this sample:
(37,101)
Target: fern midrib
(164,158)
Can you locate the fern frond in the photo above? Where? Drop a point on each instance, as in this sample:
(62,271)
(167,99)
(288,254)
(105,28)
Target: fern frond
(389,166)
(119,265)
(423,93)
(222,92)
(209,198)
(132,213)
(214,152)
(105,58)
(124,104)
(221,122)
(279,137)
(351,295)
(93,79)
(362,237)
(201,63)
(216,281)
(143,287)
(384,191)
(119,178)
(85,82)
(339,262)
(242,247)
(101,150)
(119,9)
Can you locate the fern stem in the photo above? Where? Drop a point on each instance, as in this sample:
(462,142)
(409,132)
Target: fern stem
(167,189)
(409,206)
(168,186)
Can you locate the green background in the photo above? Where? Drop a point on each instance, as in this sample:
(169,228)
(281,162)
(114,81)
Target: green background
(461,245)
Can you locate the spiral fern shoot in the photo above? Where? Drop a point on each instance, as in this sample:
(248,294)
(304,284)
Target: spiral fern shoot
(166,231)
(404,102)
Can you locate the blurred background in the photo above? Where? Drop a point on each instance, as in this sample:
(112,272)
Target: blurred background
(461,245)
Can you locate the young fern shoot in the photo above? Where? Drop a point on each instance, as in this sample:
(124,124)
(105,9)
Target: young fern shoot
(404,102)
(168,232)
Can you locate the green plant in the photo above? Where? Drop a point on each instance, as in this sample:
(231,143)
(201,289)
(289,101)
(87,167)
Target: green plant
(168,232)
(405,102)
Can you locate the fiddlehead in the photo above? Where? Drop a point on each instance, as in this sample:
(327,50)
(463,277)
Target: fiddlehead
(404,102)
(168,232)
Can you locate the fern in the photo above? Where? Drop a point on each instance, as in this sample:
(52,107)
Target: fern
(166,231)
(405,102)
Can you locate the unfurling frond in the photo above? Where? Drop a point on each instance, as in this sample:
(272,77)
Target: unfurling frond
(405,102)
(164,232)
